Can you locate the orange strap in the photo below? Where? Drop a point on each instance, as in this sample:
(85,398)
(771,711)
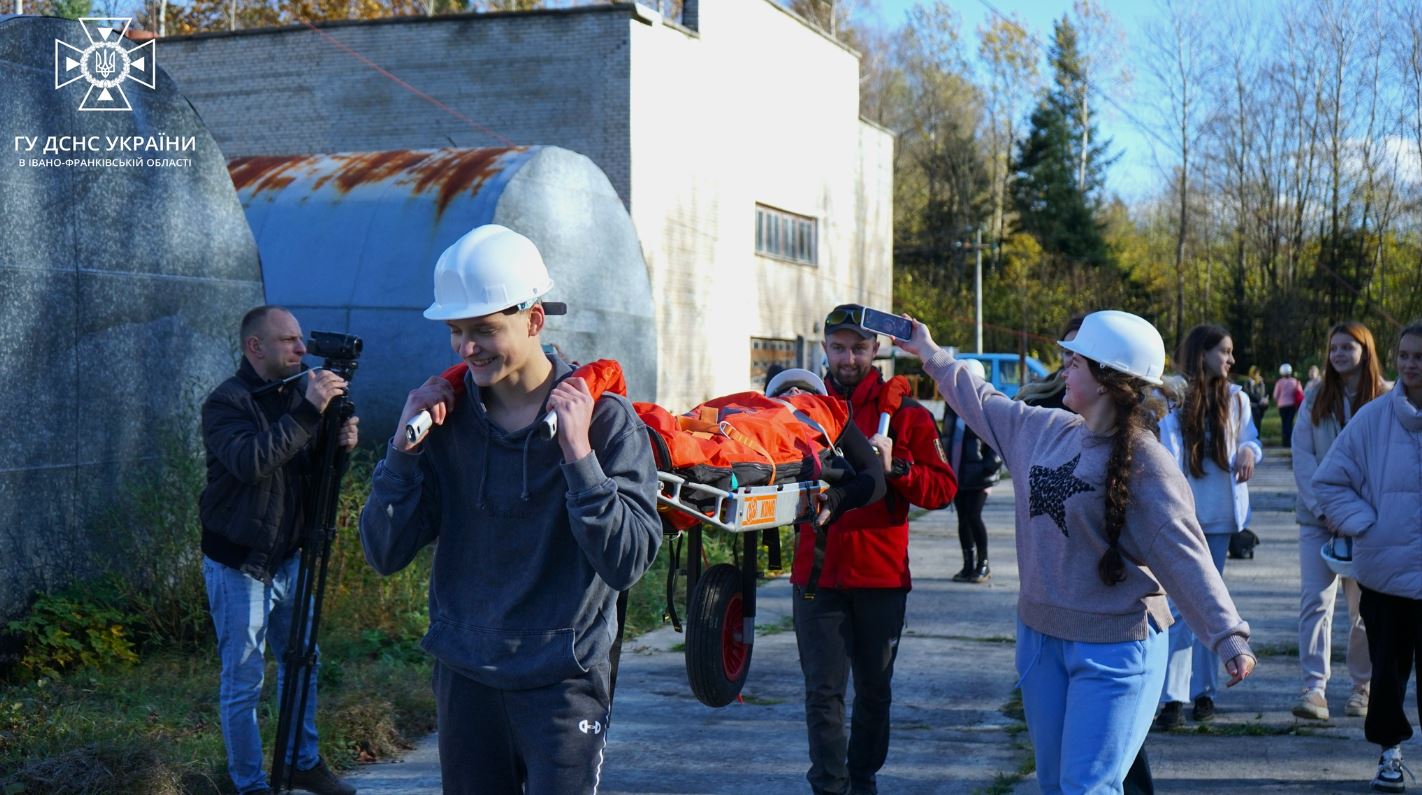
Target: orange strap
(734,434)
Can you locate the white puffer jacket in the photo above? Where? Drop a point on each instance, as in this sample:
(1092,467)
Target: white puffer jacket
(1370,486)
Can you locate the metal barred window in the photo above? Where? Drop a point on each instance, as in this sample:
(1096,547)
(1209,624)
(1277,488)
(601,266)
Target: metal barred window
(786,236)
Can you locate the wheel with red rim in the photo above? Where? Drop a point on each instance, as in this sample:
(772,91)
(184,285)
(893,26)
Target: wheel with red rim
(718,654)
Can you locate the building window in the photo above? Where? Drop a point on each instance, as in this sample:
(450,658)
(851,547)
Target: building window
(766,353)
(786,235)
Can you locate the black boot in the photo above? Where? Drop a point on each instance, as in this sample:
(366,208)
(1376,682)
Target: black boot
(982,573)
(966,575)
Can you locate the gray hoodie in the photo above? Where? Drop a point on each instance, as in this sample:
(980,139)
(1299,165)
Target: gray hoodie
(531,551)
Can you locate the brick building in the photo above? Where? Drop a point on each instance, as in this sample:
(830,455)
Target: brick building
(759,195)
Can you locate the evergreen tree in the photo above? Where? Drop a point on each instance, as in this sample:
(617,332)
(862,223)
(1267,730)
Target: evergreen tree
(1059,168)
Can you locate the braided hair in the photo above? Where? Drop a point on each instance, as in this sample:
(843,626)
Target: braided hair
(1135,417)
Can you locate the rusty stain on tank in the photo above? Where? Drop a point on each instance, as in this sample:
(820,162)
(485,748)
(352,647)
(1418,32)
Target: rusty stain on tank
(457,170)
(369,168)
(263,172)
(446,172)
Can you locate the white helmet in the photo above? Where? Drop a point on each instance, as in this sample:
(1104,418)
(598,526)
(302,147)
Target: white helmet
(975,367)
(1337,552)
(1286,369)
(1121,341)
(795,376)
(488,270)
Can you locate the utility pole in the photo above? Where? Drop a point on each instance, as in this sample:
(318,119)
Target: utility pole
(977,247)
(978,291)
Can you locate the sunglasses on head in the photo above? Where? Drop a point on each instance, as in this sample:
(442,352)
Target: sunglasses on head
(839,317)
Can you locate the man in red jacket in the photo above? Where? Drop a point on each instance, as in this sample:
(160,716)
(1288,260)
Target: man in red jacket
(849,618)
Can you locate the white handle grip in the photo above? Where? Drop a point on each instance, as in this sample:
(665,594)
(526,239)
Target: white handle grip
(418,427)
(883,423)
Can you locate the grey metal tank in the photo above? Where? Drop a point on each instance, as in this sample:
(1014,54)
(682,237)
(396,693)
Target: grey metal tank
(121,288)
(349,242)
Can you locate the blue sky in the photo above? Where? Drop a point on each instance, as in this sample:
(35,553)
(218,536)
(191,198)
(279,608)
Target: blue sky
(1134,174)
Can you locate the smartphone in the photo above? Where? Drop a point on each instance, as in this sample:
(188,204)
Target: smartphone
(885,323)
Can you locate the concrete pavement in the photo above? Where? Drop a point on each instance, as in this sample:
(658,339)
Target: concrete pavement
(953,678)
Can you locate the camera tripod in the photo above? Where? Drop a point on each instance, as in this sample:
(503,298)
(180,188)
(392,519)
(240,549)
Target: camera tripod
(299,662)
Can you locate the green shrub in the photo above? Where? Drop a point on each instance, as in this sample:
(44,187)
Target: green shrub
(361,604)
(70,630)
(148,544)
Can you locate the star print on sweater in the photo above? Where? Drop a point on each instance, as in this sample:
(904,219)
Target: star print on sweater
(1049,490)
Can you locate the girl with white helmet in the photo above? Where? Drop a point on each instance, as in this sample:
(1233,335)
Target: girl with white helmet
(1368,489)
(1212,436)
(1105,527)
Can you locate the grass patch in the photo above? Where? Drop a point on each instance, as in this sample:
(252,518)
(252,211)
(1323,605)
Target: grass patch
(1003,783)
(785,624)
(1006,640)
(760,701)
(1255,728)
(154,728)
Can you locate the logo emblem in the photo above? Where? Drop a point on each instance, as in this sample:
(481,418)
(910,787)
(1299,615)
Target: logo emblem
(590,727)
(105,62)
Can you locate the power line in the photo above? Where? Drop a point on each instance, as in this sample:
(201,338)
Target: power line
(333,41)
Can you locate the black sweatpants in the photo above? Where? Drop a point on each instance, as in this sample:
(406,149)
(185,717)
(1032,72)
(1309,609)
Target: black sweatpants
(837,632)
(1394,640)
(972,532)
(543,741)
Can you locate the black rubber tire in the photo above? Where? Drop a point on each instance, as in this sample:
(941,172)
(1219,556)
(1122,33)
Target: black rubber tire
(717,655)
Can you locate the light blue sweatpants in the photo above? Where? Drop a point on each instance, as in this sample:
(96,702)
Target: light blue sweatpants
(1088,706)
(1194,668)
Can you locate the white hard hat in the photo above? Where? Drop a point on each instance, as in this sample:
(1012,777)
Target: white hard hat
(1286,369)
(975,367)
(795,376)
(1337,552)
(1121,341)
(488,270)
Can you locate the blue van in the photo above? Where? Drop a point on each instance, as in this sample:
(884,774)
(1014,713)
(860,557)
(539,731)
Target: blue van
(1004,370)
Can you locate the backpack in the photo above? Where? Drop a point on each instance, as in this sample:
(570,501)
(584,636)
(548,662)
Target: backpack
(1242,544)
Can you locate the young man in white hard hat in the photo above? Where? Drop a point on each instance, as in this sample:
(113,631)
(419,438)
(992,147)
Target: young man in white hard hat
(536,536)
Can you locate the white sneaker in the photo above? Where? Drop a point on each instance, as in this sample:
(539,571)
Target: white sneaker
(1357,704)
(1390,770)
(1312,705)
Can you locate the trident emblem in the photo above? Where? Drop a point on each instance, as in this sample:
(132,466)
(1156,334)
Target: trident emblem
(104,62)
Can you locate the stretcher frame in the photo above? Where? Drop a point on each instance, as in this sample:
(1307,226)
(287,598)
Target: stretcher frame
(746,511)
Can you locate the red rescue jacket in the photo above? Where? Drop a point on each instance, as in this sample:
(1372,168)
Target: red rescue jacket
(868,547)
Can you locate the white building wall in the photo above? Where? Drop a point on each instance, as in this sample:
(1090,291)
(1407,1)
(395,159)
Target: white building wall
(757,108)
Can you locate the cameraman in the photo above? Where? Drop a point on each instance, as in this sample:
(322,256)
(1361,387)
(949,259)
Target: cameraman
(536,536)
(258,438)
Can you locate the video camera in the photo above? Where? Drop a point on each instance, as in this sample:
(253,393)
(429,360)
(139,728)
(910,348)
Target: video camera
(339,350)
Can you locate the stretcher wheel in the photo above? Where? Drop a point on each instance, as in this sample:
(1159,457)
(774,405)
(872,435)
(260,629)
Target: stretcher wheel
(717,652)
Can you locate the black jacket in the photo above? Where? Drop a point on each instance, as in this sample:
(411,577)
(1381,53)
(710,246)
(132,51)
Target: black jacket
(980,466)
(258,462)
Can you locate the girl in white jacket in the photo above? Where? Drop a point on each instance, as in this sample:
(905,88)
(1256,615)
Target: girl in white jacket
(1368,487)
(1213,438)
(1353,378)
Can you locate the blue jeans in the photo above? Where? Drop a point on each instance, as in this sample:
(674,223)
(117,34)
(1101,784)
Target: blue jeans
(1194,669)
(245,613)
(1088,706)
